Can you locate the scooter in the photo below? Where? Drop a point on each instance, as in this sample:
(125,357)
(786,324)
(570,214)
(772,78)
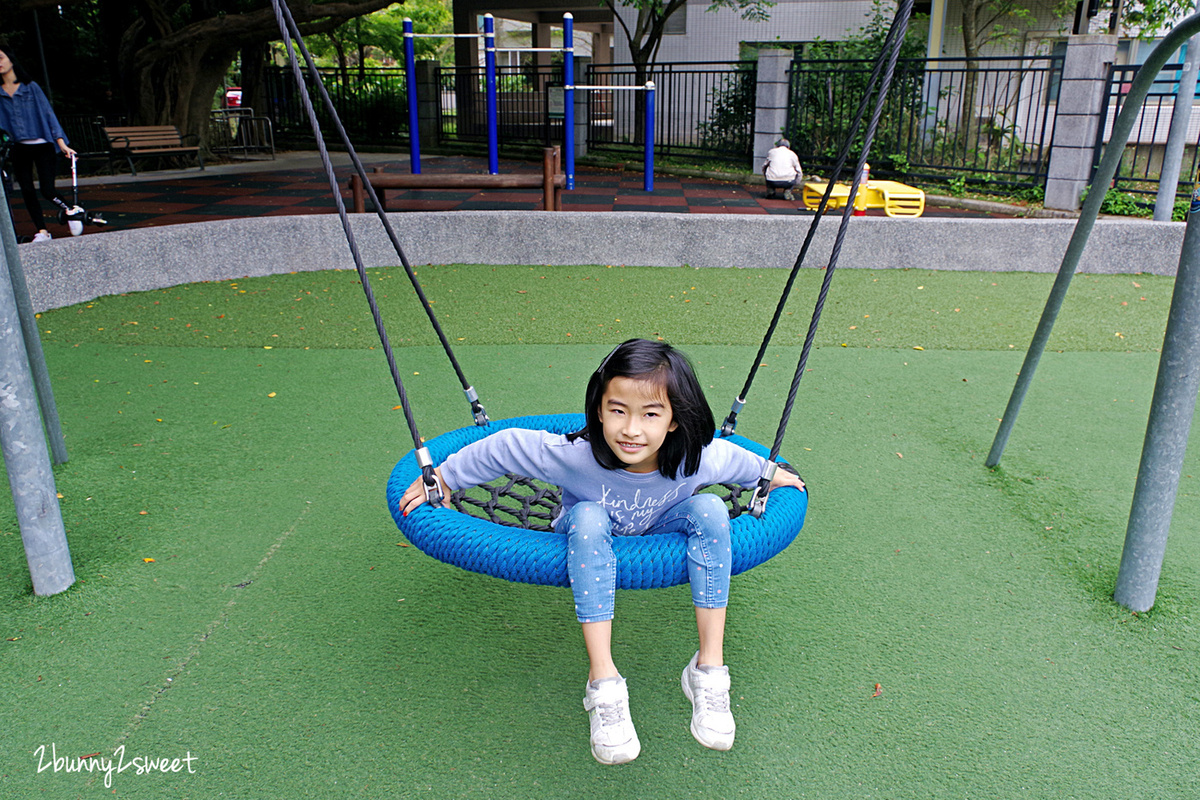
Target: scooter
(75,216)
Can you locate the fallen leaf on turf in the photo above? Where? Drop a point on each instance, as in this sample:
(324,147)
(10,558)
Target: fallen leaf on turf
(901,455)
(918,348)
(270,394)
(148,560)
(878,690)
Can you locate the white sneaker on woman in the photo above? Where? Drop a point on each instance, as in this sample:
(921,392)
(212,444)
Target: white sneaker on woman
(42,236)
(614,741)
(708,690)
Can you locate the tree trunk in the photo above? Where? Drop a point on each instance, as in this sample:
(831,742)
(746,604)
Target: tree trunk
(254,86)
(181,92)
(172,75)
(968,128)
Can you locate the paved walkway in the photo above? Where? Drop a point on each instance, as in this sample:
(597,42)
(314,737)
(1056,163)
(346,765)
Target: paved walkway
(295,183)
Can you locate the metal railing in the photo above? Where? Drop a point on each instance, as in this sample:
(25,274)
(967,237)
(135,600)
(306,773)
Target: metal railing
(239,132)
(525,104)
(988,121)
(86,134)
(372,104)
(1141,163)
(705,110)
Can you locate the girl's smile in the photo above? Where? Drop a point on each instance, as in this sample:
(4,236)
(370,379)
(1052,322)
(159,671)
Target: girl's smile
(637,417)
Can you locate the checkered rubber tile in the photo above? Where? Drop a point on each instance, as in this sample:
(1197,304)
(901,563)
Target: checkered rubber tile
(306,191)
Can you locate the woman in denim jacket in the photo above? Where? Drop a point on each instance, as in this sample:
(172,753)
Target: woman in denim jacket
(26,115)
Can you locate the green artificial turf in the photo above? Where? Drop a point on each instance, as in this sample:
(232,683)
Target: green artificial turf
(286,638)
(508,305)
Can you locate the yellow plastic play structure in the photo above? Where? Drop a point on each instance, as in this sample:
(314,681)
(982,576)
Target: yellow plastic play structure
(896,199)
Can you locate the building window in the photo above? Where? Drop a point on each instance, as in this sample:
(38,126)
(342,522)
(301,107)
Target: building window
(676,24)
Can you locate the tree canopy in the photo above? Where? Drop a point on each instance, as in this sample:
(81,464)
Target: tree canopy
(170,56)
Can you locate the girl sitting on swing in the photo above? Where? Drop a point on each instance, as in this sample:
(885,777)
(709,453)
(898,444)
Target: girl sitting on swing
(634,469)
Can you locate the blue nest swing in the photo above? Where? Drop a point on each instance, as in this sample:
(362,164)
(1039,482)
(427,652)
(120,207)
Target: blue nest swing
(518,552)
(517,544)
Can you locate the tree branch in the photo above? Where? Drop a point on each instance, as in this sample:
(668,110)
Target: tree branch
(239,30)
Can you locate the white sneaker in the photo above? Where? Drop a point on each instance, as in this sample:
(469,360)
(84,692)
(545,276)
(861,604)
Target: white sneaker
(708,690)
(614,741)
(42,236)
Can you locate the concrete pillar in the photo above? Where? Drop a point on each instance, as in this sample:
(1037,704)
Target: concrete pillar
(583,76)
(467,51)
(429,103)
(543,36)
(771,101)
(602,44)
(1080,101)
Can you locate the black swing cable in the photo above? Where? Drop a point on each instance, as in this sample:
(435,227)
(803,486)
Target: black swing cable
(282,11)
(424,460)
(903,12)
(730,423)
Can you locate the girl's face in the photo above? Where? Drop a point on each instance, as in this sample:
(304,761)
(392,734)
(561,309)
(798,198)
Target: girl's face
(5,63)
(637,417)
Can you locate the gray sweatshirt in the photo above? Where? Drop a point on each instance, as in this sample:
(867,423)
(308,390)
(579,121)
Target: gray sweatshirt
(634,501)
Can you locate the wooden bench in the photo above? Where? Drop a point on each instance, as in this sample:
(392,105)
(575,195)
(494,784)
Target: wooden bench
(551,181)
(160,141)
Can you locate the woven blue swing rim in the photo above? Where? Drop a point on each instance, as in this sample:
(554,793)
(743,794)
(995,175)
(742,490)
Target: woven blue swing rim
(540,557)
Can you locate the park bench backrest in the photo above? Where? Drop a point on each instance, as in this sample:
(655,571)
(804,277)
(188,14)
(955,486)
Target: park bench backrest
(144,137)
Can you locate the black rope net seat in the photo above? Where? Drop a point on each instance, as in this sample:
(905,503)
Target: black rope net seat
(534,554)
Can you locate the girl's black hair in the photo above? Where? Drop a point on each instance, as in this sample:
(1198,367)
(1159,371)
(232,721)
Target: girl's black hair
(19,72)
(665,367)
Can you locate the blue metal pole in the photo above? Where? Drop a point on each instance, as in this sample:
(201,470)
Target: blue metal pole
(569,98)
(489,42)
(410,78)
(648,160)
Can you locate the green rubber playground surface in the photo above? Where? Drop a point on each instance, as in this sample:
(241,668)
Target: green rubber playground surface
(937,630)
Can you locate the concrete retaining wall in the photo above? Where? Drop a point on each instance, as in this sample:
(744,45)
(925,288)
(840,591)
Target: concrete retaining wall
(66,271)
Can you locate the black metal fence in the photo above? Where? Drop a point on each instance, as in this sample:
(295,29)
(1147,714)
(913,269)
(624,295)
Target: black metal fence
(704,111)
(1141,163)
(528,104)
(988,121)
(372,104)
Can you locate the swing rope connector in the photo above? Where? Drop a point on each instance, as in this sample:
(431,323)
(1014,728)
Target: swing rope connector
(730,423)
(433,490)
(477,409)
(758,500)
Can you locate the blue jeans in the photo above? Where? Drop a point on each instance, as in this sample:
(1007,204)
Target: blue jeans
(593,569)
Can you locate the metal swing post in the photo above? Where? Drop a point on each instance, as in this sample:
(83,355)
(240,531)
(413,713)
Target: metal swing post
(1167,431)
(26,456)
